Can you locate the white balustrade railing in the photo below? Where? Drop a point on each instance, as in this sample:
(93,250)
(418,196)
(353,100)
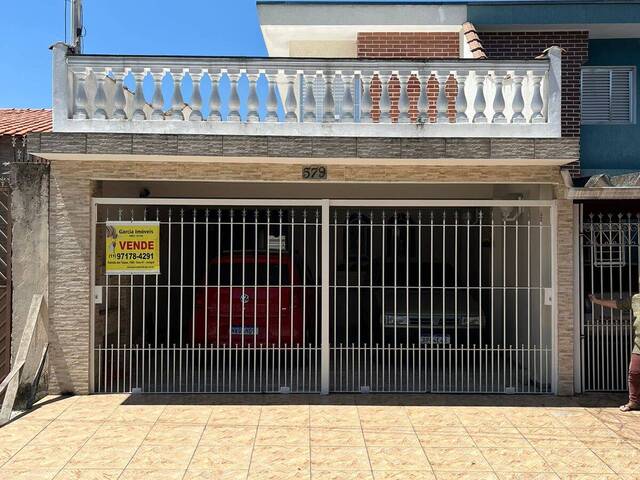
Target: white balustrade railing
(308,97)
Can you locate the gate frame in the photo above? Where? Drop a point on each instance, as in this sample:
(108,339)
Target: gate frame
(325,205)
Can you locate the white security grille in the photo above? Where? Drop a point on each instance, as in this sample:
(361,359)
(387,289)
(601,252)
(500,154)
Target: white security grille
(441,300)
(607,94)
(234,309)
(309,296)
(609,263)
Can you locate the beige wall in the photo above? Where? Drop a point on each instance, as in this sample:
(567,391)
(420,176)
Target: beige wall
(74,182)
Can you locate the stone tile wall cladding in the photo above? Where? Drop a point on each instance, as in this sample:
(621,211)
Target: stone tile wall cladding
(73,185)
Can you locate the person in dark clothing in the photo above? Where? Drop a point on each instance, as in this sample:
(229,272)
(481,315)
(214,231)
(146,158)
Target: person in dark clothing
(632,304)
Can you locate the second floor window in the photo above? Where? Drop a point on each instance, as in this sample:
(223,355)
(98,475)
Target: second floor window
(608,95)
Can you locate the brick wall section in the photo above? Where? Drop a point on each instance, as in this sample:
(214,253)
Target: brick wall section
(408,45)
(527,45)
(70,229)
(419,45)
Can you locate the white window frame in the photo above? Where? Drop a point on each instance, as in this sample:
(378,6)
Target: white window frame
(632,94)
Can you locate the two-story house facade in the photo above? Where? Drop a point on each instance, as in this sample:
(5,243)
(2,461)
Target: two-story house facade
(384,204)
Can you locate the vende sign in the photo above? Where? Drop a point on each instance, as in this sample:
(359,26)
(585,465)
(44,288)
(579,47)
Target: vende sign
(132,248)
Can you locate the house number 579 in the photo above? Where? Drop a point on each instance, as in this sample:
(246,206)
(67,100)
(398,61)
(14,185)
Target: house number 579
(314,172)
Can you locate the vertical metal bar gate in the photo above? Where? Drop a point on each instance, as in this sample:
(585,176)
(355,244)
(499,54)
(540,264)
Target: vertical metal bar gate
(310,296)
(5,279)
(609,257)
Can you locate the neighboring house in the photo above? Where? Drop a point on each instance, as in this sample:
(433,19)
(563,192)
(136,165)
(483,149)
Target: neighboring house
(15,125)
(385,204)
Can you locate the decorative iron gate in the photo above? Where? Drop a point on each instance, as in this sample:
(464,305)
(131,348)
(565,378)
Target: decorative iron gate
(309,296)
(609,254)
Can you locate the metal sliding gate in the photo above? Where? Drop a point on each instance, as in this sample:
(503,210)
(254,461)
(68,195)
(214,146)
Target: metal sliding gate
(609,258)
(310,296)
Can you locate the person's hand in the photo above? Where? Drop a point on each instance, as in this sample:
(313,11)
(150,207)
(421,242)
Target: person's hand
(592,297)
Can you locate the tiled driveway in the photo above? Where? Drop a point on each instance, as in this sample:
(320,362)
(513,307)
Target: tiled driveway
(333,437)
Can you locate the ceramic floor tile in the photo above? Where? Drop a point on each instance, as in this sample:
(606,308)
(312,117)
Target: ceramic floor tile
(398,458)
(155,457)
(340,475)
(573,460)
(339,458)
(186,414)
(268,435)
(99,455)
(20,432)
(336,437)
(515,460)
(334,416)
(87,412)
(61,432)
(592,476)
(279,459)
(404,475)
(428,419)
(383,439)
(88,474)
(221,457)
(136,413)
(235,415)
(499,439)
(279,475)
(151,474)
(216,475)
(446,441)
(228,435)
(41,456)
(174,434)
(546,433)
(27,474)
(621,460)
(465,476)
(527,476)
(280,416)
(118,433)
(456,459)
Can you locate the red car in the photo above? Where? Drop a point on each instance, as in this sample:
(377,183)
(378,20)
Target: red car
(241,316)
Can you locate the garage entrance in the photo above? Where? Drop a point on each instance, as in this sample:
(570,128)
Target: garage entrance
(318,296)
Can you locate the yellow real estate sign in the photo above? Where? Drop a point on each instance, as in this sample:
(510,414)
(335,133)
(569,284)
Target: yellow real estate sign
(132,248)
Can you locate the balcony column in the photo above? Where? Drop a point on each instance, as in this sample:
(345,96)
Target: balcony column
(119,100)
(272,98)
(291,103)
(479,103)
(423,98)
(329,102)
(100,99)
(498,99)
(442,103)
(196,96)
(157,103)
(461,97)
(253,103)
(177,101)
(214,98)
(139,101)
(309,99)
(385,99)
(536,101)
(80,98)
(234,98)
(347,98)
(403,102)
(518,100)
(365,102)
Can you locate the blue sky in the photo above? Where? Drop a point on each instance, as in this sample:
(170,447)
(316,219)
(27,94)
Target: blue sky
(198,27)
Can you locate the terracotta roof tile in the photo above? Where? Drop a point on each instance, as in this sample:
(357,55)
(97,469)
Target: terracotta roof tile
(21,121)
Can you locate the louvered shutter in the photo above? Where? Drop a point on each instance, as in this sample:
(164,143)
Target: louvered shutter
(607,95)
